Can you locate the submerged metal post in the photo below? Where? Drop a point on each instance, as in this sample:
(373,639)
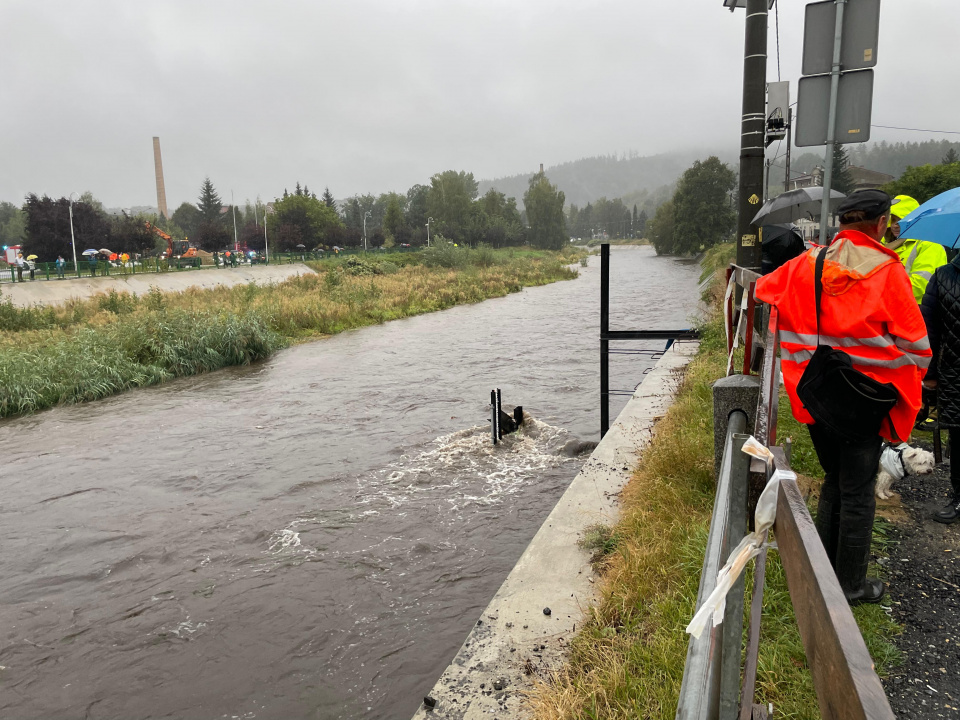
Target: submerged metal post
(494,417)
(604,342)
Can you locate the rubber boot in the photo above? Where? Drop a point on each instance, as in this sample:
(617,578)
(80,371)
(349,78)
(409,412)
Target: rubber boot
(853,556)
(828,520)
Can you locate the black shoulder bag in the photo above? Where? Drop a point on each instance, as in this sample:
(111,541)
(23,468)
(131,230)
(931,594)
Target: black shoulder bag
(843,400)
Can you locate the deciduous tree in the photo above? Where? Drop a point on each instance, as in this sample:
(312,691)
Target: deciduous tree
(702,207)
(544,207)
(301,219)
(449,201)
(660,229)
(13,224)
(48,227)
(188,218)
(926,181)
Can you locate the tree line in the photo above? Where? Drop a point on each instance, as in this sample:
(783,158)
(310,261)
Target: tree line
(450,204)
(607,218)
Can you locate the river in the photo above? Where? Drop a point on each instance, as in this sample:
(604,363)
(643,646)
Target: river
(309,537)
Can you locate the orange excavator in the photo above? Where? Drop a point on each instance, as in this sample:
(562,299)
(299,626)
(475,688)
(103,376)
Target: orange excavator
(179,248)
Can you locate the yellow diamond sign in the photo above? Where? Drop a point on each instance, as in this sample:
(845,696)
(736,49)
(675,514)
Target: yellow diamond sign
(753,199)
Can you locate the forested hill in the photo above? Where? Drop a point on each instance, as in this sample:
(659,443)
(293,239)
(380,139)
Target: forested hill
(609,176)
(890,158)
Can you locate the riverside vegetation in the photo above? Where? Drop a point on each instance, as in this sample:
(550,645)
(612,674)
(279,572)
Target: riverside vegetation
(628,660)
(89,349)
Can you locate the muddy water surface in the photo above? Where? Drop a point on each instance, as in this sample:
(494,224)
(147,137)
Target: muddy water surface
(311,537)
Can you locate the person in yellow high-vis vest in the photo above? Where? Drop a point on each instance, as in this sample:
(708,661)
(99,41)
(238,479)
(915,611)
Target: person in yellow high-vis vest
(920,258)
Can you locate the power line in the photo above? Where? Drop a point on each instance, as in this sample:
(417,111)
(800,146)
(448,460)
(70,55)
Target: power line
(777,16)
(894,127)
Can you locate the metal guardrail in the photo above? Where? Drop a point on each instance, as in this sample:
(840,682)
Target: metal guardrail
(711,678)
(844,678)
(48,271)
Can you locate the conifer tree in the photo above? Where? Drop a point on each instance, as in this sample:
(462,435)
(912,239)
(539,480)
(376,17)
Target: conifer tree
(209,203)
(328,199)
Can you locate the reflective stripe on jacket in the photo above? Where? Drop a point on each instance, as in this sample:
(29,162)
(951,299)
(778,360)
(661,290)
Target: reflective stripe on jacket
(921,259)
(867,311)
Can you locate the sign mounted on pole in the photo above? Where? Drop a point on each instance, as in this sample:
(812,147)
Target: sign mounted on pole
(854,109)
(778,108)
(861,32)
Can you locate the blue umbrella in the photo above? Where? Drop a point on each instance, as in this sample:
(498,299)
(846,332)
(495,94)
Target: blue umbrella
(937,220)
(90,252)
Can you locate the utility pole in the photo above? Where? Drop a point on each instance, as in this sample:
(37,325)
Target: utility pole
(753,132)
(73,240)
(236,240)
(786,177)
(365,216)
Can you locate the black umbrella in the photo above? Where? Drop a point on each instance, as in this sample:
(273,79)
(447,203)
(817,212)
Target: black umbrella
(781,242)
(794,204)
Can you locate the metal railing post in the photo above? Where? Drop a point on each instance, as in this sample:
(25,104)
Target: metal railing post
(604,342)
(733,613)
(704,679)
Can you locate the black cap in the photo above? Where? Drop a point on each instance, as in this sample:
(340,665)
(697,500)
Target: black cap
(872,203)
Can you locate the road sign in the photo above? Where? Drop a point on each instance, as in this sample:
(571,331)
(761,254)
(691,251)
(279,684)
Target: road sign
(861,32)
(733,4)
(854,108)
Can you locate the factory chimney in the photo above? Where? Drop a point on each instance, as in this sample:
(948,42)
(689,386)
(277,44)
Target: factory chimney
(161,190)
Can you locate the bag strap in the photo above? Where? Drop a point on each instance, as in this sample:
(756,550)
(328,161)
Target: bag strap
(818,285)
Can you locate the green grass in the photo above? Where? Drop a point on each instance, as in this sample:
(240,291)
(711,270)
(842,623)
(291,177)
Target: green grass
(628,659)
(89,349)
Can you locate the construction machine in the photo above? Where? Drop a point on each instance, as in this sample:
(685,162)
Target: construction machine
(175,248)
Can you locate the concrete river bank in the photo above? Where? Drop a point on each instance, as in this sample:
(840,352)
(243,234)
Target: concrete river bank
(311,537)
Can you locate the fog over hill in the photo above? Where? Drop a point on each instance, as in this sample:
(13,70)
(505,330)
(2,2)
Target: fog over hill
(630,176)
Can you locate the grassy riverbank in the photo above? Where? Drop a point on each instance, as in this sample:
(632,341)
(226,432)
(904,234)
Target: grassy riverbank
(89,349)
(627,662)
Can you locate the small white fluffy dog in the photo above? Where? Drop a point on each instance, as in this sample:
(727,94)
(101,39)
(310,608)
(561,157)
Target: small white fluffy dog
(897,462)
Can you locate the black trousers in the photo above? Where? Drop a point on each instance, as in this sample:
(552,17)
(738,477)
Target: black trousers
(847,503)
(954,460)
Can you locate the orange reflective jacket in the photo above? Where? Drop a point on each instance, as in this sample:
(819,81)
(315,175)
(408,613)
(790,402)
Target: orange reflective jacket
(867,310)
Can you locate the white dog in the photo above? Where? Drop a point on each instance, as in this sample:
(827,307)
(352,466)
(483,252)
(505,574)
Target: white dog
(900,461)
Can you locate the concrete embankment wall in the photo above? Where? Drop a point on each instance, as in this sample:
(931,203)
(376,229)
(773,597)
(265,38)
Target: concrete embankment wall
(52,292)
(514,640)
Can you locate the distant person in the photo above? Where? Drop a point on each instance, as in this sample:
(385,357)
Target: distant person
(20,264)
(941,312)
(850,404)
(920,258)
(93,265)
(31,266)
(61,263)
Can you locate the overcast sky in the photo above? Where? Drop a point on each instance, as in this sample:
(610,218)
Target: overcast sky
(376,95)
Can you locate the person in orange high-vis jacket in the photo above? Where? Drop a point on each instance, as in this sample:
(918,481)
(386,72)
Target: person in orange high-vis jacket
(868,311)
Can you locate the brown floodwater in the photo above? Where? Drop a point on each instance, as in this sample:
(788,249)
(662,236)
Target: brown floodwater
(309,537)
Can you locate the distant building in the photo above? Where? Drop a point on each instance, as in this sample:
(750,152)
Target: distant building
(866,179)
(863,178)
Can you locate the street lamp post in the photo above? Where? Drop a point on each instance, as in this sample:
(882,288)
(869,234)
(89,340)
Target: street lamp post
(73,241)
(266,247)
(429,220)
(365,216)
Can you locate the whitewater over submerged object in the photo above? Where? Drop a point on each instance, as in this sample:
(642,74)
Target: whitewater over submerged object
(502,423)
